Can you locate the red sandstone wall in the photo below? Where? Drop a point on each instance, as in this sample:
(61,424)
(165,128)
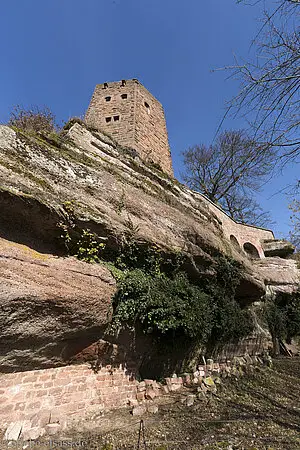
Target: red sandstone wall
(243,233)
(99,110)
(70,391)
(141,120)
(151,131)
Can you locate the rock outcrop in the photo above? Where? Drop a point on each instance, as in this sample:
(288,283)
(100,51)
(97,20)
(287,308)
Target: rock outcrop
(281,276)
(50,308)
(278,247)
(49,304)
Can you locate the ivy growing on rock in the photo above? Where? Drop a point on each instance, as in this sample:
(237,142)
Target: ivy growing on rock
(162,305)
(159,296)
(82,243)
(155,292)
(230,321)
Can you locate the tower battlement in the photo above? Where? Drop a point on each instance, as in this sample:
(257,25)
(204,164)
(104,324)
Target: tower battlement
(134,117)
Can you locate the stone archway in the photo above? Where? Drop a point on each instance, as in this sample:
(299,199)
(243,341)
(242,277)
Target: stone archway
(251,250)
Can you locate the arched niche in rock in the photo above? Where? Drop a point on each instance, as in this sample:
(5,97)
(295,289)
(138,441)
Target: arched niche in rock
(251,250)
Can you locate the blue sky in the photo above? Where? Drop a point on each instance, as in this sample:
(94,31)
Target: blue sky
(54,52)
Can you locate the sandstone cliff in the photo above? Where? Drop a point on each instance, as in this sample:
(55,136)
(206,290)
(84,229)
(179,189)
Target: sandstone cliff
(50,308)
(46,298)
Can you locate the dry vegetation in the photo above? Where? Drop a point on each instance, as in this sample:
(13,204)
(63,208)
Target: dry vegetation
(261,411)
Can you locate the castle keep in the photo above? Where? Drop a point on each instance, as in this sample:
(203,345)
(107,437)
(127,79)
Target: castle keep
(130,114)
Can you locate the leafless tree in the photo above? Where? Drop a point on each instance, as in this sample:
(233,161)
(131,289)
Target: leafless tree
(295,215)
(229,172)
(33,119)
(295,232)
(269,97)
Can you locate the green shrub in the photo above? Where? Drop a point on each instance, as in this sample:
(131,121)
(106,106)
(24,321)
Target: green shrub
(173,304)
(82,243)
(132,255)
(89,248)
(85,245)
(154,292)
(283,317)
(230,321)
(162,305)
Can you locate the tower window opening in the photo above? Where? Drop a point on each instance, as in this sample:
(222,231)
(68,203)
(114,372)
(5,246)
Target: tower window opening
(108,119)
(123,83)
(108,99)
(105,85)
(116,118)
(147,107)
(124,96)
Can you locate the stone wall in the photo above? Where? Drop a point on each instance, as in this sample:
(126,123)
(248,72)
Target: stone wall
(237,234)
(48,401)
(131,115)
(108,104)
(151,134)
(57,394)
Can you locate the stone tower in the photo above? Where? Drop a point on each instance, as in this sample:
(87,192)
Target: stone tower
(131,115)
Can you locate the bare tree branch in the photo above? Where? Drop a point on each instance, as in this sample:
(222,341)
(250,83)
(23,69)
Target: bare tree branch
(229,172)
(269,96)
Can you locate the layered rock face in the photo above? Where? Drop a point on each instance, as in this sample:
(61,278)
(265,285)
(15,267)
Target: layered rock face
(50,308)
(281,276)
(278,247)
(53,307)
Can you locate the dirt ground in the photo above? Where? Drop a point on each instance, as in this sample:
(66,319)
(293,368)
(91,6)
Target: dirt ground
(258,411)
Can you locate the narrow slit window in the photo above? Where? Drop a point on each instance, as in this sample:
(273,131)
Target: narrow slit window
(116,118)
(108,98)
(147,106)
(108,119)
(123,96)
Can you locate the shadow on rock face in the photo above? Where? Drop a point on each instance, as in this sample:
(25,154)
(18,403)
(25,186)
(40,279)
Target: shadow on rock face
(27,221)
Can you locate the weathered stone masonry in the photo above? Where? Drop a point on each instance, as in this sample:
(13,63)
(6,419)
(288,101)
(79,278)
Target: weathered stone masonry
(246,237)
(64,395)
(131,115)
(49,395)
